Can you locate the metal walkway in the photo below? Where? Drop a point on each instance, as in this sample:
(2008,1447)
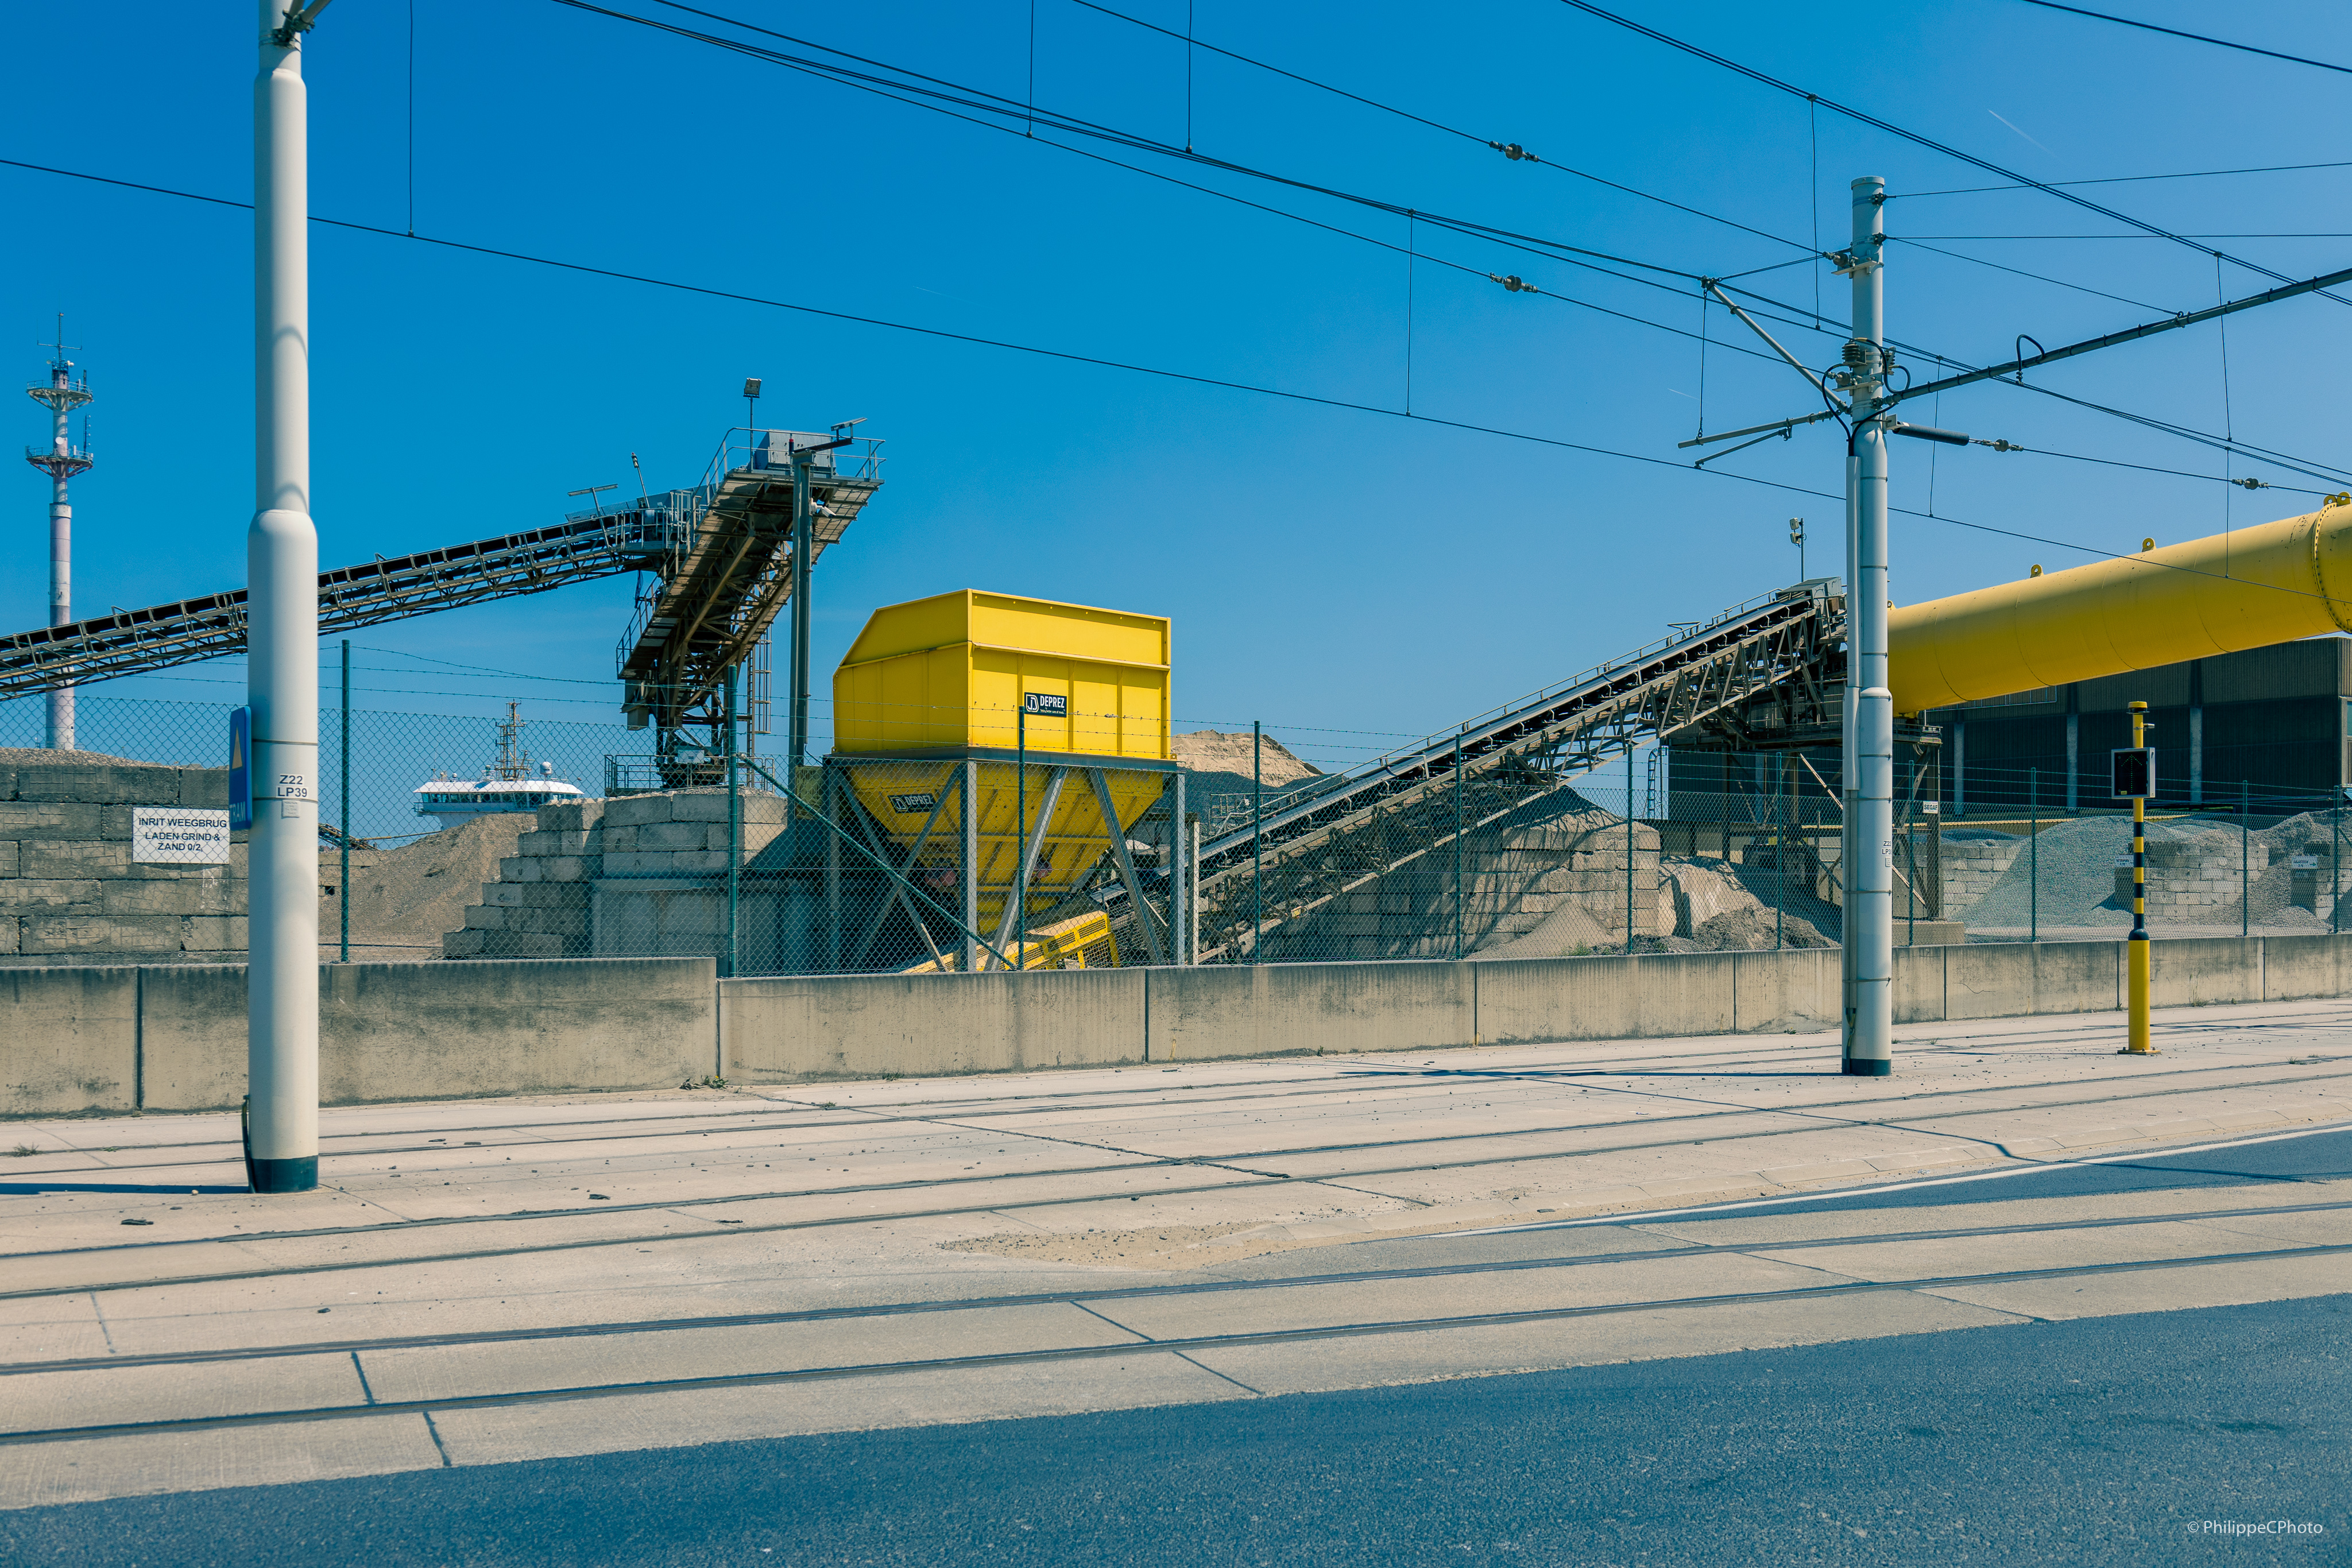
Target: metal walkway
(1379,818)
(726,570)
(720,570)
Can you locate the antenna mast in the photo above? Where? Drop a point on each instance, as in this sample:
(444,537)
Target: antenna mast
(61,396)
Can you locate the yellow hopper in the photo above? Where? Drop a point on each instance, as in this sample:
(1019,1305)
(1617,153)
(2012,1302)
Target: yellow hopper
(978,730)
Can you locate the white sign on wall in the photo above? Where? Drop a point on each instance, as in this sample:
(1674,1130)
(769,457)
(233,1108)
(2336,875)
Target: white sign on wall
(169,835)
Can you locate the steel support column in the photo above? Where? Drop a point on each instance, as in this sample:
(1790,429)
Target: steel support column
(1870,742)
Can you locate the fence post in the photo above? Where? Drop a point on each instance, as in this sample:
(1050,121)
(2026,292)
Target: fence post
(1781,850)
(2335,858)
(1021,838)
(829,800)
(1257,839)
(2033,855)
(343,818)
(734,834)
(1457,844)
(1911,856)
(971,866)
(1179,916)
(2245,856)
(1629,846)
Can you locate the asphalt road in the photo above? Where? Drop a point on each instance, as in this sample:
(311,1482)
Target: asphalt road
(2267,1161)
(2101,1441)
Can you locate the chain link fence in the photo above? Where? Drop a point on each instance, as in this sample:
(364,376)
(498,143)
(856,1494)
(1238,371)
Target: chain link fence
(560,839)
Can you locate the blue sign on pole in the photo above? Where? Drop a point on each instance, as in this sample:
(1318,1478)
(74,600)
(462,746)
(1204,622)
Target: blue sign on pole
(240,768)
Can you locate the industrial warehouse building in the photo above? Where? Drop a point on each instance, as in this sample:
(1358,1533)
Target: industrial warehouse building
(2263,721)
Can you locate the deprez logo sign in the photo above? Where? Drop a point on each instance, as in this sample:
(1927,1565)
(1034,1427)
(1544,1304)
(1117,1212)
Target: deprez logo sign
(1044,705)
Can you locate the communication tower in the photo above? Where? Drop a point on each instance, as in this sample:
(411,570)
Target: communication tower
(61,394)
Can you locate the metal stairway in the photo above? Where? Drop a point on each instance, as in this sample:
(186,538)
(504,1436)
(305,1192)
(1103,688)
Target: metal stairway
(1380,817)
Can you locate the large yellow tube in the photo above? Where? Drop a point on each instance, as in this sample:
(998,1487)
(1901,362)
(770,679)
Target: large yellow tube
(2246,589)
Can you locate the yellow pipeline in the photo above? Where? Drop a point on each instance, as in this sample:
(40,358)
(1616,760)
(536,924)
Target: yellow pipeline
(2247,588)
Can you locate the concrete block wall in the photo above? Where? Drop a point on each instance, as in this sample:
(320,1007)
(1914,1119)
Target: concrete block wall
(70,892)
(583,856)
(1970,868)
(173,1037)
(1513,879)
(2192,885)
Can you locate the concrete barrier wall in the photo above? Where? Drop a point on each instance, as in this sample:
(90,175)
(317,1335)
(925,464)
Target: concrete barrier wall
(69,1040)
(856,1026)
(861,1026)
(2294,967)
(171,1037)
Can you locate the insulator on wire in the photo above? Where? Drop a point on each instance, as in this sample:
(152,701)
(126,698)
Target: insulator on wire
(1514,151)
(1516,283)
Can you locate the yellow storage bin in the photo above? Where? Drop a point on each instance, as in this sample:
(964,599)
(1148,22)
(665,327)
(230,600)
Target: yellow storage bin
(951,672)
(928,697)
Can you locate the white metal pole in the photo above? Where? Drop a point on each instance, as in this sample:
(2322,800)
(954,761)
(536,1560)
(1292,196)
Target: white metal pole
(61,698)
(1870,899)
(282,664)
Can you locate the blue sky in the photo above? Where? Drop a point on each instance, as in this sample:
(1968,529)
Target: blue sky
(1351,571)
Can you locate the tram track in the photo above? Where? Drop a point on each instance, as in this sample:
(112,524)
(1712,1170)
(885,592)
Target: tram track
(1633,1223)
(1142,1165)
(326,1267)
(1187,1345)
(882,1116)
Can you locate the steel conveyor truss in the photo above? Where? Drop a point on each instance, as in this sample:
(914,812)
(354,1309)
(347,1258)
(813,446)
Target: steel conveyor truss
(1312,847)
(718,554)
(726,575)
(130,641)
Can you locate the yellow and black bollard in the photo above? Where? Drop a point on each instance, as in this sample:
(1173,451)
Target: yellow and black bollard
(2134,772)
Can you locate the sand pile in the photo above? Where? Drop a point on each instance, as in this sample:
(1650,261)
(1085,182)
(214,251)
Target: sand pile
(410,895)
(1215,751)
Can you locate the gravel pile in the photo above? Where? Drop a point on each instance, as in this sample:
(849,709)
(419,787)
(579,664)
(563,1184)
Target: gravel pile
(2268,901)
(2074,882)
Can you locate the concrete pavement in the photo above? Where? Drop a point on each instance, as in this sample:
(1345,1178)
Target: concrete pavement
(503,1282)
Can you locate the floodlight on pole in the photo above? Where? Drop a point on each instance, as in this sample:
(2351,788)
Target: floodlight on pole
(61,460)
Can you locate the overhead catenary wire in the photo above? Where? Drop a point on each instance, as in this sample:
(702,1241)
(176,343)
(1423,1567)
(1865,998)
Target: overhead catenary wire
(1559,250)
(2193,37)
(1863,117)
(2126,179)
(2020,272)
(981,102)
(1067,356)
(1438,125)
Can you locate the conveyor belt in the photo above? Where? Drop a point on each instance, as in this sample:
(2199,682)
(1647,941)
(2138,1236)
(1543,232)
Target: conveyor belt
(720,555)
(130,641)
(1359,826)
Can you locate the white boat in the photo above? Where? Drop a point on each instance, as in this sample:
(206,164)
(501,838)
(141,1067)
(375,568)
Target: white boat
(508,785)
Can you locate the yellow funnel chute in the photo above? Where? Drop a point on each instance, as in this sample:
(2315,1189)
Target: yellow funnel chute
(941,702)
(2248,589)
